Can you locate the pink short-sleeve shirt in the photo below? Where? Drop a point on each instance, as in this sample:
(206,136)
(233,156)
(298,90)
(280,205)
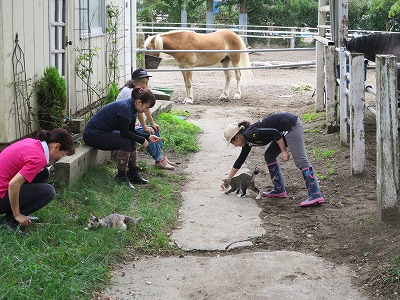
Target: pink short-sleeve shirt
(26,157)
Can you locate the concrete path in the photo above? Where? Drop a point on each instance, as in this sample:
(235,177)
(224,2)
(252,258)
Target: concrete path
(211,220)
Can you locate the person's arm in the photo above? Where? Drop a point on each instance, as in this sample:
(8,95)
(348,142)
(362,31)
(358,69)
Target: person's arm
(238,163)
(282,145)
(272,132)
(142,122)
(124,129)
(231,174)
(14,187)
(127,130)
(149,117)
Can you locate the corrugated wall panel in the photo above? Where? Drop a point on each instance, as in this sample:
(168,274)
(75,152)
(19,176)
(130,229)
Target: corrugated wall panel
(28,19)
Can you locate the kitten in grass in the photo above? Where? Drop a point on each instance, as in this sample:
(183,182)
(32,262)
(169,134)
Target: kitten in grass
(113,221)
(241,183)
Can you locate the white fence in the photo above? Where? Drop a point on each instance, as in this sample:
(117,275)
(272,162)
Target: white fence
(352,110)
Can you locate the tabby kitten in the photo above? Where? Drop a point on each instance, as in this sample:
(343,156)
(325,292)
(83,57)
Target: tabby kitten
(241,183)
(112,221)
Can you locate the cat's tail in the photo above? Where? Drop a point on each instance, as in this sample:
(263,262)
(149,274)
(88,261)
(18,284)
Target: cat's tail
(133,221)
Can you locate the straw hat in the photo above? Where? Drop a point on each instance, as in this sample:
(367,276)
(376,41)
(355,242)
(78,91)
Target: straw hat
(231,131)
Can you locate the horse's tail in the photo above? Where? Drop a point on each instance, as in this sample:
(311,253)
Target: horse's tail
(247,74)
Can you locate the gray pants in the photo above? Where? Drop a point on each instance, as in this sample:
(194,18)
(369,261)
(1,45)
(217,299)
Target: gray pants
(295,142)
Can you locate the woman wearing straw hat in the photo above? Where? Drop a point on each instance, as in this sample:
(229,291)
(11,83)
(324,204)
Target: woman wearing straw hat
(279,130)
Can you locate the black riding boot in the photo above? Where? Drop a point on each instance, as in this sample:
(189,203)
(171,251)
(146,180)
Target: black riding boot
(122,164)
(133,171)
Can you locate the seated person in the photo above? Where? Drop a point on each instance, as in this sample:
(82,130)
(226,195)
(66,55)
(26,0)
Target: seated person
(140,79)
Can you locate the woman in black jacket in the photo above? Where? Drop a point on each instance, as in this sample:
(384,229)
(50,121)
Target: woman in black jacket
(279,130)
(113,128)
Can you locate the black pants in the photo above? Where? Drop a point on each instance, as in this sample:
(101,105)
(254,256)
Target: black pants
(32,196)
(108,141)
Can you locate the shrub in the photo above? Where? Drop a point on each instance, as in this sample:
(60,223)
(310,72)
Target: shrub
(52,99)
(112,94)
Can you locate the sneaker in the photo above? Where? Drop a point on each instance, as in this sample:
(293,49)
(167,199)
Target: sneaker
(34,219)
(9,223)
(171,163)
(163,164)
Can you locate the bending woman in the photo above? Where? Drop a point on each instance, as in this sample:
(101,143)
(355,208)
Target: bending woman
(24,175)
(279,130)
(113,128)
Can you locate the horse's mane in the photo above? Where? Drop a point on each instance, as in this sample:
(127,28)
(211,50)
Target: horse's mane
(158,42)
(378,43)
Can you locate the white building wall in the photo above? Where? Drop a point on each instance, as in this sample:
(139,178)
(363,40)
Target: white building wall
(30,19)
(78,91)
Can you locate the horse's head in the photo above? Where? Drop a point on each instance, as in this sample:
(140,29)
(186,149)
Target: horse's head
(154,42)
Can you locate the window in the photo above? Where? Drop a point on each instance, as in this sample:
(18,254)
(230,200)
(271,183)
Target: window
(92,17)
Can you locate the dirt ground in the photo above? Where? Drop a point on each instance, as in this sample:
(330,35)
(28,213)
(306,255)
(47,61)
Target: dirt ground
(344,229)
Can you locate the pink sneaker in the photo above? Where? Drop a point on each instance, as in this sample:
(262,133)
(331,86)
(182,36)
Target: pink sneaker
(163,164)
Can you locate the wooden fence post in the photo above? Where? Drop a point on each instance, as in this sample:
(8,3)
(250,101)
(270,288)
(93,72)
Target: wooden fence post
(343,96)
(387,162)
(357,97)
(330,90)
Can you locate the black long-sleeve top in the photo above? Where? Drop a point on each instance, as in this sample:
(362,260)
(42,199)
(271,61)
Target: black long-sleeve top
(268,129)
(117,116)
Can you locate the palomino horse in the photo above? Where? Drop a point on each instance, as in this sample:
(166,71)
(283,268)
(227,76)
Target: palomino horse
(223,39)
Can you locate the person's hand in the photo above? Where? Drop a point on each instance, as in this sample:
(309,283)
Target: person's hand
(153,138)
(23,220)
(285,155)
(222,186)
(145,144)
(149,130)
(156,127)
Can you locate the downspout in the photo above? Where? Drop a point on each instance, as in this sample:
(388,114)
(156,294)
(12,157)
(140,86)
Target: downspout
(133,35)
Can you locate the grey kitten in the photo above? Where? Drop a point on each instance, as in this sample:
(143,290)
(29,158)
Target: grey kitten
(112,221)
(241,183)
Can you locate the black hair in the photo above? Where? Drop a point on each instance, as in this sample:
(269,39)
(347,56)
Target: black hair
(244,125)
(145,95)
(58,135)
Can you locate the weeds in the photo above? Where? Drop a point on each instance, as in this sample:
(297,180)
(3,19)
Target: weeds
(312,117)
(324,154)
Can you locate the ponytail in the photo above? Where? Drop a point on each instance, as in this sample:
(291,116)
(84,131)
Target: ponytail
(58,135)
(145,95)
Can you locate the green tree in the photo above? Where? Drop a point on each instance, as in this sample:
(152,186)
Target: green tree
(296,13)
(376,16)
(52,99)
(170,10)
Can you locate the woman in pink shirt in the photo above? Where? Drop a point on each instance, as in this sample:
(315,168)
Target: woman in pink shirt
(24,186)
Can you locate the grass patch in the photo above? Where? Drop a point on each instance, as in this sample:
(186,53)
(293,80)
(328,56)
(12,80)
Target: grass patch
(302,87)
(178,135)
(312,117)
(390,273)
(320,153)
(59,259)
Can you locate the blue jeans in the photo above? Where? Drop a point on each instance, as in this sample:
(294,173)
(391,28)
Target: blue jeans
(154,149)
